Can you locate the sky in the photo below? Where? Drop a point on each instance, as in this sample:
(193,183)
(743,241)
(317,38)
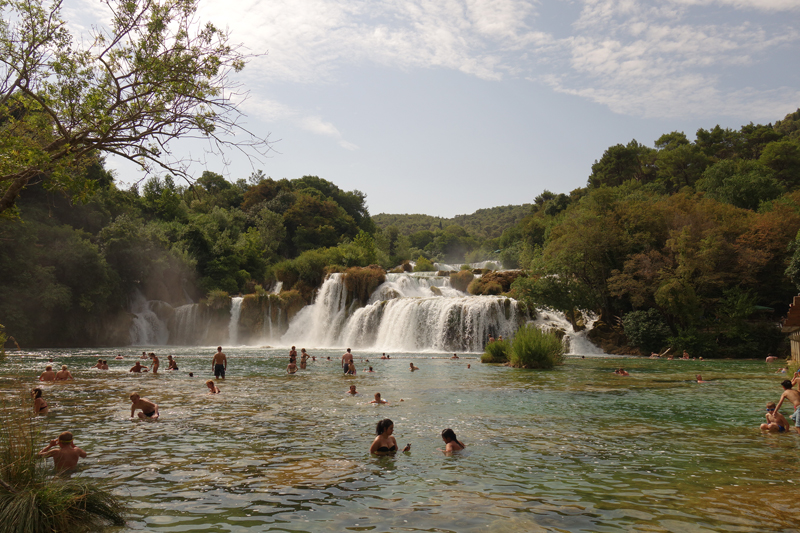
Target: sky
(443,107)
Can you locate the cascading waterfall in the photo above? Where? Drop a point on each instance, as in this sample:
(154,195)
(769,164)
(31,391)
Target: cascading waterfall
(233,325)
(147,328)
(186,326)
(319,324)
(579,344)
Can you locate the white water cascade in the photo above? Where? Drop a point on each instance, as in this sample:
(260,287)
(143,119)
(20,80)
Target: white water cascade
(233,325)
(403,314)
(579,344)
(147,328)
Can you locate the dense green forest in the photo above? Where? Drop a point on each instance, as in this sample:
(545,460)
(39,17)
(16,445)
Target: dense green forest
(689,243)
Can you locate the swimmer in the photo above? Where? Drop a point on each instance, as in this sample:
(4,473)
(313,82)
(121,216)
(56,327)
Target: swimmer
(378,399)
(313,358)
(143,356)
(385,441)
(347,358)
(171,363)
(454,356)
(794,397)
(700,379)
(148,408)
(293,354)
(303,358)
(412,367)
(212,389)
(63,374)
(138,368)
(329,358)
(48,374)
(105,365)
(66,456)
(383,356)
(780,371)
(219,364)
(776,422)
(291,368)
(191,374)
(370,370)
(352,391)
(452,444)
(156,362)
(469,366)
(351,369)
(39,405)
(99,364)
(621,372)
(771,358)
(119,356)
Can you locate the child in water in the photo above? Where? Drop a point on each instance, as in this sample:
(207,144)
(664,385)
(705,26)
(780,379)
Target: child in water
(776,422)
(66,455)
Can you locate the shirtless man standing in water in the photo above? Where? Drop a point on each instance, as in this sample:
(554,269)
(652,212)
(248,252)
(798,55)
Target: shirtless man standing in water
(793,396)
(219,364)
(347,358)
(155,362)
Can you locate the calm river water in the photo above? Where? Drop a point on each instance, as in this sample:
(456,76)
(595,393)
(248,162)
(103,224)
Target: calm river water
(574,449)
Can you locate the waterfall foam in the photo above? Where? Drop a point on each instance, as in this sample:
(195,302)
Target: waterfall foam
(233,325)
(579,344)
(147,328)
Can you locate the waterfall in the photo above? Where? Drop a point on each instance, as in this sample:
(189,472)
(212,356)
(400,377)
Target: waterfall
(186,328)
(578,342)
(319,324)
(491,265)
(233,325)
(278,287)
(403,315)
(147,328)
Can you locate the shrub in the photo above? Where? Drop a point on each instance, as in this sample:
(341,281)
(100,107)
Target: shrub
(423,265)
(33,498)
(218,300)
(496,352)
(362,281)
(646,330)
(460,280)
(534,348)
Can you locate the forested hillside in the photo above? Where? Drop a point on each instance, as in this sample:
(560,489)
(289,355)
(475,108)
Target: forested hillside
(483,223)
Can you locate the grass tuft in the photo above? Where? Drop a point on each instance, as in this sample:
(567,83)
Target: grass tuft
(534,348)
(496,352)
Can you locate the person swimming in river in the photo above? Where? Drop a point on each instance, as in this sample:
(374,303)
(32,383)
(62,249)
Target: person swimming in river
(291,368)
(293,354)
(39,405)
(776,422)
(66,455)
(794,397)
(148,408)
(99,364)
(171,363)
(412,368)
(385,441)
(156,362)
(138,368)
(64,374)
(48,374)
(303,358)
(621,372)
(370,370)
(212,388)
(452,444)
(700,379)
(378,400)
(352,391)
(351,369)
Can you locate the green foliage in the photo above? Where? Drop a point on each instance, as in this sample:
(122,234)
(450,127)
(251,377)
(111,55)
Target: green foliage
(460,280)
(423,265)
(218,300)
(621,163)
(646,330)
(534,348)
(33,498)
(362,281)
(496,352)
(745,184)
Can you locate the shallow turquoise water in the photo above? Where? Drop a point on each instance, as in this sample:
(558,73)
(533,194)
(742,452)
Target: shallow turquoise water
(574,449)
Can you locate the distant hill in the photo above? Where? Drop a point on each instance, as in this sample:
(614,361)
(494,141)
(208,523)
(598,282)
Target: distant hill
(486,223)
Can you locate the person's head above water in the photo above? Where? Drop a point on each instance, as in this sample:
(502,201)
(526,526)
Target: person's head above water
(448,435)
(786,384)
(383,426)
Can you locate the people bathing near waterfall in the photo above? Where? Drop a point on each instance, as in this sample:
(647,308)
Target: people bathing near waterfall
(794,397)
(219,364)
(48,374)
(212,388)
(303,358)
(412,367)
(291,368)
(347,358)
(148,408)
(171,364)
(138,368)
(776,422)
(39,405)
(293,354)
(351,369)
(385,441)
(370,370)
(143,356)
(66,456)
(383,356)
(621,372)
(378,399)
(352,391)
(700,379)
(119,356)
(99,364)
(63,374)
(156,362)
(452,444)
(105,365)
(454,356)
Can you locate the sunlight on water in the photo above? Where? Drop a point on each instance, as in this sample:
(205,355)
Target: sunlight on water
(575,449)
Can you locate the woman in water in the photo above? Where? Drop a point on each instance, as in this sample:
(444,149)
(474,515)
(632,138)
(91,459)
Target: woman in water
(212,388)
(385,441)
(451,442)
(39,405)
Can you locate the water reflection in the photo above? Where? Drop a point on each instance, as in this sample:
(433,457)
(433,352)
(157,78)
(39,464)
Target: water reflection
(576,449)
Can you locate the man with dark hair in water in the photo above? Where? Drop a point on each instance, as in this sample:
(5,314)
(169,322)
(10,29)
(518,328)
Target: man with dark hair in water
(219,364)
(347,358)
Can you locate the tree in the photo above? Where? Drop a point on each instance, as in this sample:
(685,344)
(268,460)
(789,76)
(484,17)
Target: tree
(623,163)
(154,75)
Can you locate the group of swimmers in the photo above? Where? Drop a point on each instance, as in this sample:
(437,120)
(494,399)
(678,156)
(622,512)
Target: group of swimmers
(776,422)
